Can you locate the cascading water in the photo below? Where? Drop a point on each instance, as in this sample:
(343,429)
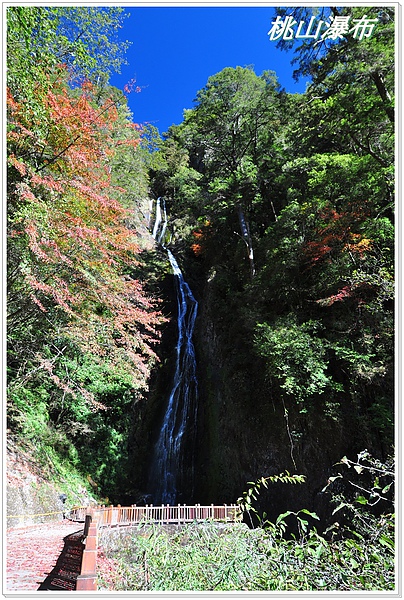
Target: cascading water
(157,220)
(160,222)
(177,432)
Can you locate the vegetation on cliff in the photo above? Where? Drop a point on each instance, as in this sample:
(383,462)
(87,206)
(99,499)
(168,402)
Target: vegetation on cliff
(287,202)
(282,209)
(81,328)
(355,553)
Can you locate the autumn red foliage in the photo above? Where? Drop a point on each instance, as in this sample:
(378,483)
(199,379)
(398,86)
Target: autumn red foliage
(335,234)
(76,249)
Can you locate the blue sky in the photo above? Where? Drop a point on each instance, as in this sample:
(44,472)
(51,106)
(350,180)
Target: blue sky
(176,49)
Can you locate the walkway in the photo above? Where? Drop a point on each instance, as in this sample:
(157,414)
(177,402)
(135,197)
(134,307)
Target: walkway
(33,553)
(49,556)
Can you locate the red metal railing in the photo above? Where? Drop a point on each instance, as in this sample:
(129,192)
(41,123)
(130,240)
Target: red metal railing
(132,515)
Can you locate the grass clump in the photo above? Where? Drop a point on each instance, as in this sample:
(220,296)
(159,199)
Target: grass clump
(355,553)
(208,557)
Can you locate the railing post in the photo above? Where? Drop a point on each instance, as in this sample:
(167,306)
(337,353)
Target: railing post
(233,514)
(87,523)
(87,580)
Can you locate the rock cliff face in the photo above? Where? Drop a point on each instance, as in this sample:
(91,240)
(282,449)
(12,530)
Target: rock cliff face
(32,499)
(244,429)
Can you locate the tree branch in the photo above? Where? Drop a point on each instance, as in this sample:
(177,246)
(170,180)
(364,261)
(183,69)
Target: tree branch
(384,94)
(55,158)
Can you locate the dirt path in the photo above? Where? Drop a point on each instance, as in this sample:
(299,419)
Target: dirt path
(33,553)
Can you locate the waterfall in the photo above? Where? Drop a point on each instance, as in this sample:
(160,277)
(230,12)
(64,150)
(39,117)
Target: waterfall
(157,221)
(160,222)
(168,468)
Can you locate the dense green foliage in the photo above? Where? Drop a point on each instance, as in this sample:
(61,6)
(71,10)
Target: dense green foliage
(305,183)
(82,331)
(206,558)
(282,209)
(356,552)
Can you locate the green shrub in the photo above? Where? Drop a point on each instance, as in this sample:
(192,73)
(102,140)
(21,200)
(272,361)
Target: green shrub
(207,557)
(356,554)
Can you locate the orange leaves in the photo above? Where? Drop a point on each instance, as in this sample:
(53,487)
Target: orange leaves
(133,143)
(58,291)
(20,166)
(23,192)
(198,247)
(318,250)
(21,134)
(11,103)
(48,182)
(35,243)
(97,199)
(359,244)
(87,87)
(335,235)
(45,248)
(131,86)
(345,292)
(78,129)
(74,246)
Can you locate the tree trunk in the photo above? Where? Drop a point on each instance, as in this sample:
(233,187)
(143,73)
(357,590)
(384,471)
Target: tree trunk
(384,95)
(245,234)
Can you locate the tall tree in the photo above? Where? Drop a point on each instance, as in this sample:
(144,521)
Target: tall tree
(330,254)
(84,39)
(224,131)
(81,328)
(313,174)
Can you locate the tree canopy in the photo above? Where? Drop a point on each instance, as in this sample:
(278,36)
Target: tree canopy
(313,175)
(81,328)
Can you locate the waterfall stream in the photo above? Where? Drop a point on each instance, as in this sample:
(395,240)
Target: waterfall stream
(168,467)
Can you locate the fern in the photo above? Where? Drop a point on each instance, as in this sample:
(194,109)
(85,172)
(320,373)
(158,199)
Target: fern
(245,502)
